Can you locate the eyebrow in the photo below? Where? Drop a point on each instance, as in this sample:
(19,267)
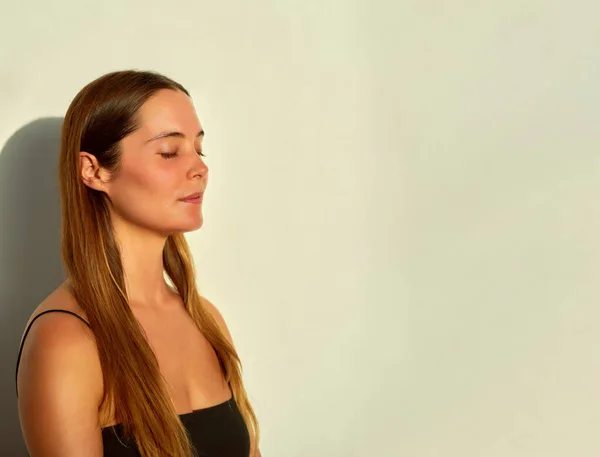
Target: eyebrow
(173,135)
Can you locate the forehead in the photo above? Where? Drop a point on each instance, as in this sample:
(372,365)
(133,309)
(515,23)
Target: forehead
(168,110)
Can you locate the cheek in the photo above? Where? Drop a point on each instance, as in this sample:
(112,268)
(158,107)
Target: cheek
(145,190)
(152,182)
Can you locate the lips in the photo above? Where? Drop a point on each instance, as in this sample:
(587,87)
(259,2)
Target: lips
(193,197)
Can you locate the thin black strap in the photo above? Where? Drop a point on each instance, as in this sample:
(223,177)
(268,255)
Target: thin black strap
(29,327)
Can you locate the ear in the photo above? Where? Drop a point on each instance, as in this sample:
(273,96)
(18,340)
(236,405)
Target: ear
(92,174)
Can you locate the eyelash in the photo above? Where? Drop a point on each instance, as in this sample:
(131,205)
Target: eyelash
(171,155)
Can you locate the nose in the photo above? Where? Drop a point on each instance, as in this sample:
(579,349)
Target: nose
(198,169)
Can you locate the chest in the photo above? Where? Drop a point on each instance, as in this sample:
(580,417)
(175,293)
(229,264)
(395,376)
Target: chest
(187,360)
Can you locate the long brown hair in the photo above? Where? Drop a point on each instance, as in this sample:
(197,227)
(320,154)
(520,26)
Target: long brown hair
(99,117)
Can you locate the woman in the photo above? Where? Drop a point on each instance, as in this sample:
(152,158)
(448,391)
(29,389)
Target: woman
(119,361)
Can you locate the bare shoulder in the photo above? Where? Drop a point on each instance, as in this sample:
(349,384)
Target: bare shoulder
(60,383)
(214,311)
(61,298)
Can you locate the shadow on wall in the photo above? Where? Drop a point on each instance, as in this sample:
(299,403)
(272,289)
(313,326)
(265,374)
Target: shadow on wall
(30,263)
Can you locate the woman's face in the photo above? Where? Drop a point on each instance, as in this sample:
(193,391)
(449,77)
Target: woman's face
(161,164)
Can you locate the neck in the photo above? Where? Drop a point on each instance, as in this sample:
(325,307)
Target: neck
(142,258)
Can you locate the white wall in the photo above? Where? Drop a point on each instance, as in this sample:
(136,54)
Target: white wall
(401,227)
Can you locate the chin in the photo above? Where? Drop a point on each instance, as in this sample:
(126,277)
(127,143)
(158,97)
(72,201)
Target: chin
(184,228)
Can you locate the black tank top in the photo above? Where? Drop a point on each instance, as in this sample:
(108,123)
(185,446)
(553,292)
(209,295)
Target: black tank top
(216,431)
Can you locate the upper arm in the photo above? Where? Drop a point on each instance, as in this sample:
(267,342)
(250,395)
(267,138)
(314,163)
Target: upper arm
(60,387)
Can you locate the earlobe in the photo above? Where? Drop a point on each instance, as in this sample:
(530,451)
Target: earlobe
(92,173)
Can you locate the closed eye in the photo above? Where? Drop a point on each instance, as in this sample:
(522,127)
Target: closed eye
(170,155)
